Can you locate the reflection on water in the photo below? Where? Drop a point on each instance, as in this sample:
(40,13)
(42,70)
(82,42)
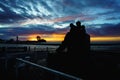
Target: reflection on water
(111,48)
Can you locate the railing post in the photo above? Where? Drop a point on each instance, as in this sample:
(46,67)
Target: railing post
(6,62)
(16,69)
(29,48)
(47,49)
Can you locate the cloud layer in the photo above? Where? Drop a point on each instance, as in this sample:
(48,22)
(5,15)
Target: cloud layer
(24,17)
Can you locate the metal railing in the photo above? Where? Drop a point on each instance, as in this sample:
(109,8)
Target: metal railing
(55,72)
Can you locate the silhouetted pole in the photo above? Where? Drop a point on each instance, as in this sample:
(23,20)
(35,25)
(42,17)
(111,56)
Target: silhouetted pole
(17,38)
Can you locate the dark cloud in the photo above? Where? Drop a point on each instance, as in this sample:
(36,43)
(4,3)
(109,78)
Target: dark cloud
(105,30)
(8,16)
(37,29)
(103,3)
(113,18)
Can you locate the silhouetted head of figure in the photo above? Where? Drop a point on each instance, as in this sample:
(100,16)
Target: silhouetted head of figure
(78,23)
(83,29)
(72,27)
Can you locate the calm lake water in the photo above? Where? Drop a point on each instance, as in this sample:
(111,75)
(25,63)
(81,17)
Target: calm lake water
(36,47)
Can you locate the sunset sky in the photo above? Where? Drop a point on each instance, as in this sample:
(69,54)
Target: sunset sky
(50,19)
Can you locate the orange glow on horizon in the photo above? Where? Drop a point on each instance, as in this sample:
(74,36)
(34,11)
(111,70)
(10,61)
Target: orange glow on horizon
(32,37)
(105,38)
(47,37)
(60,37)
(55,37)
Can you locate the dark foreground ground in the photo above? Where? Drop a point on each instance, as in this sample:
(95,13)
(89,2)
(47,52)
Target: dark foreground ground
(105,66)
(101,66)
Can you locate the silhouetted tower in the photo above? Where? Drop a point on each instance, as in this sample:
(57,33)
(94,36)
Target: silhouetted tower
(17,38)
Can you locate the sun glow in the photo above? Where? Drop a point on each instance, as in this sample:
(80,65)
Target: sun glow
(32,37)
(60,37)
(106,38)
(47,37)
(55,37)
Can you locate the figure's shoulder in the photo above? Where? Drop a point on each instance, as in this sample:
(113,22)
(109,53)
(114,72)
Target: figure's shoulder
(67,34)
(87,35)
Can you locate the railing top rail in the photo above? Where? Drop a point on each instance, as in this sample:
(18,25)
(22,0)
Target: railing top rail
(49,69)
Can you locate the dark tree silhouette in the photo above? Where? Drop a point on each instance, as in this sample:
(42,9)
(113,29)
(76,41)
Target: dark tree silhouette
(10,40)
(38,38)
(1,40)
(42,40)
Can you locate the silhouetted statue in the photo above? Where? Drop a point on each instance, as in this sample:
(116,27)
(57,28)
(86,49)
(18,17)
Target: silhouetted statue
(77,43)
(68,41)
(85,38)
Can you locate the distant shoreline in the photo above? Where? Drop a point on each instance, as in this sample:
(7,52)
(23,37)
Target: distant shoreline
(58,43)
